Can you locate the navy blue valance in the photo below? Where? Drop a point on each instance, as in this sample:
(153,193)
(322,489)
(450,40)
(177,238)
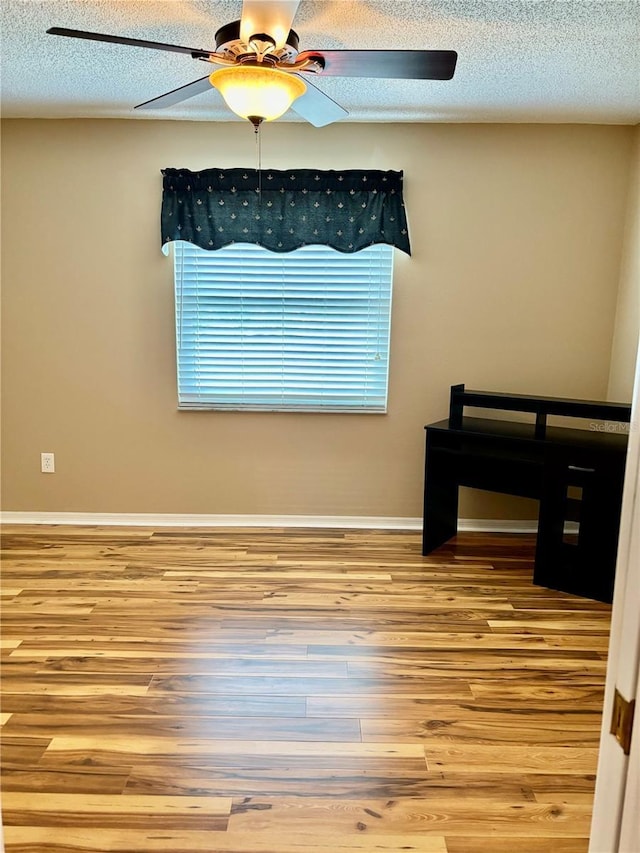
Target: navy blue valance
(283,210)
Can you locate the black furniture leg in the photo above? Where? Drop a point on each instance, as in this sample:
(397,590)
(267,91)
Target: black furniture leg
(584,567)
(440,520)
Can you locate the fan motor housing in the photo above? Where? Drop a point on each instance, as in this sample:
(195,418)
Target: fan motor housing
(228,42)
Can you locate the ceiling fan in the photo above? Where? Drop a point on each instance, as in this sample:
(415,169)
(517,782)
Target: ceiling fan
(263,72)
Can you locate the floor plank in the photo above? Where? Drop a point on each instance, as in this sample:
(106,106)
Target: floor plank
(450,818)
(36,840)
(53,809)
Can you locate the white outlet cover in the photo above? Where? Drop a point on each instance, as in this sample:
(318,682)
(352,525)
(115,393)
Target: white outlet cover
(47,463)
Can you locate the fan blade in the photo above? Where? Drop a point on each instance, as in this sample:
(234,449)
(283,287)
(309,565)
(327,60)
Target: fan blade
(400,64)
(317,107)
(177,95)
(196,53)
(273,17)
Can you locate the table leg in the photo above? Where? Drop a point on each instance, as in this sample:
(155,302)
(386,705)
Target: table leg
(440,516)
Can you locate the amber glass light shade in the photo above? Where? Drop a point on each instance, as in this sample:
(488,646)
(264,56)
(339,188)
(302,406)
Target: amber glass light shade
(264,93)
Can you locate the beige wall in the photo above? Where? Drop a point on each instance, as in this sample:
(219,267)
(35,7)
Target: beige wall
(627,326)
(516,230)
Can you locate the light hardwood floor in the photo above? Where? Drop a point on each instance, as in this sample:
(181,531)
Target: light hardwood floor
(293,691)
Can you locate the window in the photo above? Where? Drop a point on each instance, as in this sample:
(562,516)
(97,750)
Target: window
(302,331)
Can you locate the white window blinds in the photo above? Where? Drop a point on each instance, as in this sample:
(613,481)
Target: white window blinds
(307,330)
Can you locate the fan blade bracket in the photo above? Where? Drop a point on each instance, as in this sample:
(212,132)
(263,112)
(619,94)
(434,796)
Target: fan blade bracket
(216,58)
(310,63)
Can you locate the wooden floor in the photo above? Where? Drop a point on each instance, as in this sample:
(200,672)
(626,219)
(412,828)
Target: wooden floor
(293,691)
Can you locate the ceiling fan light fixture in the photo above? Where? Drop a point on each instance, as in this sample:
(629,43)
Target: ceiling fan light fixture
(257,92)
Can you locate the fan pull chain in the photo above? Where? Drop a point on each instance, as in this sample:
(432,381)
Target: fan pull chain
(259,156)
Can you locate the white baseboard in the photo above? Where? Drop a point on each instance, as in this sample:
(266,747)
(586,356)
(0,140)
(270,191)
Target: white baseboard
(143,519)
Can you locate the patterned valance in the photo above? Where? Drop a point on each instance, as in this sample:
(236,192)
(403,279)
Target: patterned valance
(283,210)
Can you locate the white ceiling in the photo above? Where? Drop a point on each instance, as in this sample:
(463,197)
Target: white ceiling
(518,60)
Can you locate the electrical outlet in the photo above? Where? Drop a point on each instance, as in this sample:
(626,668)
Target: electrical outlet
(47,463)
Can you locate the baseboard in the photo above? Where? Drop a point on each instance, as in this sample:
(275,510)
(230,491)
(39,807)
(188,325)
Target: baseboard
(143,519)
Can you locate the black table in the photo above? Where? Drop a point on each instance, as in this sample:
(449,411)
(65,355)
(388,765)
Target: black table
(576,474)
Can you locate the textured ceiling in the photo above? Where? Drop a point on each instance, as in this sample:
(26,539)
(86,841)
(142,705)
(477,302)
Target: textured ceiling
(533,61)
